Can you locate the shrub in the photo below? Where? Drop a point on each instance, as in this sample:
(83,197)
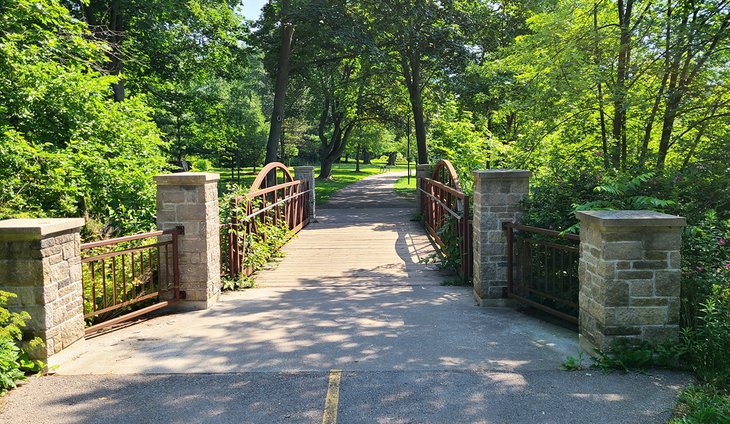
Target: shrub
(14,361)
(702,404)
(260,246)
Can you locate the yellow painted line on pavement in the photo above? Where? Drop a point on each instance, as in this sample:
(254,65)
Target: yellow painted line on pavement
(332,400)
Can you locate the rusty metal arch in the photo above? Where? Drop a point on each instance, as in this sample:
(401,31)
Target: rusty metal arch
(261,181)
(445,173)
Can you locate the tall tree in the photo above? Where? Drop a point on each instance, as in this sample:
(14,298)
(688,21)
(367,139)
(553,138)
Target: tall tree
(418,39)
(286,29)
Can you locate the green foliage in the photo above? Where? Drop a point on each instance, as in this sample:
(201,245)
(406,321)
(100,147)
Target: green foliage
(700,404)
(14,362)
(705,259)
(708,343)
(237,283)
(706,298)
(573,363)
(551,195)
(625,356)
(66,149)
(262,243)
(455,137)
(449,255)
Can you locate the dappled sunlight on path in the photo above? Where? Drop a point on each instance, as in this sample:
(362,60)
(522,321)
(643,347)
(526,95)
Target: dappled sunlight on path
(352,293)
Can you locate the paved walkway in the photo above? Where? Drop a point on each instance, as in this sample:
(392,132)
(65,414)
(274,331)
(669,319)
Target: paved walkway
(351,295)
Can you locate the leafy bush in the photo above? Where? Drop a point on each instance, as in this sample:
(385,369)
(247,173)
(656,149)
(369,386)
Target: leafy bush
(14,361)
(66,148)
(260,246)
(708,343)
(700,404)
(706,298)
(201,164)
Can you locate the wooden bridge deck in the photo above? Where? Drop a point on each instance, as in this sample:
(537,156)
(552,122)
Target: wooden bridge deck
(363,236)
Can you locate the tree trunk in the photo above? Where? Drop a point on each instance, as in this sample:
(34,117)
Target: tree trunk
(332,149)
(392,156)
(357,159)
(660,94)
(117,64)
(325,168)
(366,159)
(622,72)
(112,32)
(670,114)
(601,108)
(411,69)
(282,78)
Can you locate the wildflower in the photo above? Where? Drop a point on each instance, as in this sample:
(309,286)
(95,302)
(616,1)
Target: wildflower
(727,266)
(722,241)
(597,153)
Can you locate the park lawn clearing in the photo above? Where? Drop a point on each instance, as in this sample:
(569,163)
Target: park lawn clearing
(405,189)
(343,175)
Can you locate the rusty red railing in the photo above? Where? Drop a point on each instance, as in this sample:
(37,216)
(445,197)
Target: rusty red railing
(445,210)
(126,277)
(275,197)
(542,269)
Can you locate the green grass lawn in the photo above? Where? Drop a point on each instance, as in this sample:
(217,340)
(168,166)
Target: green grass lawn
(343,174)
(404,189)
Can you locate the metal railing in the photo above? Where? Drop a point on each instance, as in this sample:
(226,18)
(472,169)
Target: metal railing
(542,269)
(284,203)
(129,276)
(445,211)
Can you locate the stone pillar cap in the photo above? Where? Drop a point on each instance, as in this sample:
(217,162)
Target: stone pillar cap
(36,228)
(501,173)
(631,218)
(186,178)
(303,168)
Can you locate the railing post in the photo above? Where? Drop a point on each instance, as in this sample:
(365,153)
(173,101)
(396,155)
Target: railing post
(629,277)
(306,173)
(510,258)
(190,199)
(40,261)
(498,196)
(423,170)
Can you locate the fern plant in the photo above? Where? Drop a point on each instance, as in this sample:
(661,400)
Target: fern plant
(619,193)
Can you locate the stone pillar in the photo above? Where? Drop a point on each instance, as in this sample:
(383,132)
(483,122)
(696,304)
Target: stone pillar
(306,173)
(629,277)
(498,196)
(40,261)
(423,170)
(190,199)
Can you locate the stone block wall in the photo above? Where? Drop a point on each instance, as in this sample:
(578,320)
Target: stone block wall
(629,277)
(423,170)
(41,263)
(306,173)
(190,199)
(498,196)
